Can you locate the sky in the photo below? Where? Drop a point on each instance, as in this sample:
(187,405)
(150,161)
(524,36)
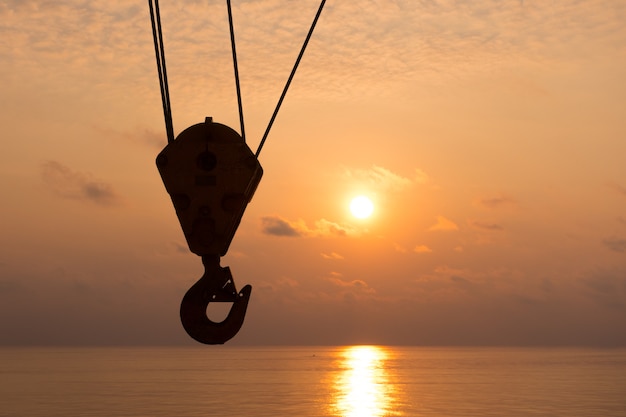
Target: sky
(490,136)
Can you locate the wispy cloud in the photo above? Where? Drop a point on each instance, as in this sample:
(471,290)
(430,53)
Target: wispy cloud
(621,190)
(325,227)
(332,255)
(67,183)
(399,248)
(420,177)
(81,42)
(382,179)
(495,202)
(365,45)
(443,224)
(146,137)
(485,225)
(356,285)
(278,226)
(422,249)
(615,244)
(607,287)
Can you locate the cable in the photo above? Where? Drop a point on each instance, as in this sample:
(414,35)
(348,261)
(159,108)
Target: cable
(293,71)
(232,43)
(159,50)
(157,36)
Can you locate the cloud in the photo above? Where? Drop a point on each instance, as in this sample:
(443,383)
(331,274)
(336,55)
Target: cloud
(495,202)
(325,227)
(70,184)
(364,46)
(433,39)
(422,249)
(399,248)
(463,282)
(607,287)
(333,288)
(621,190)
(420,177)
(615,244)
(278,226)
(443,224)
(356,284)
(382,179)
(144,137)
(450,283)
(485,226)
(332,255)
(108,31)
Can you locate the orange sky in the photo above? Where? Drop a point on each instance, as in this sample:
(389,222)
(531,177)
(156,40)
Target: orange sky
(491,136)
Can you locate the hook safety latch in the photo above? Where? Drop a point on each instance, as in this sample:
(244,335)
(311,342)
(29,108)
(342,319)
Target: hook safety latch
(216,285)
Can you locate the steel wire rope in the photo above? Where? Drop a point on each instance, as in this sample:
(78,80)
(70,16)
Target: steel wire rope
(293,71)
(237,84)
(157,36)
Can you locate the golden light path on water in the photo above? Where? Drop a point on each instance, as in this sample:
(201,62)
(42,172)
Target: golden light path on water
(363,386)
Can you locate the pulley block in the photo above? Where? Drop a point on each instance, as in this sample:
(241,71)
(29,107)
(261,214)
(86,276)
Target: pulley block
(211,175)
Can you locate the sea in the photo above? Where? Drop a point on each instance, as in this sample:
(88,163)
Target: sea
(347,381)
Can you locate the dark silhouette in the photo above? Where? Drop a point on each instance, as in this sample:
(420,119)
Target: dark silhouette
(211,175)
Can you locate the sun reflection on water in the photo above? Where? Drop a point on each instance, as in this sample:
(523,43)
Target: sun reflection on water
(363,386)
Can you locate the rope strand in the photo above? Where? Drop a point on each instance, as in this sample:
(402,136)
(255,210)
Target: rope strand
(159,50)
(293,71)
(232,43)
(157,36)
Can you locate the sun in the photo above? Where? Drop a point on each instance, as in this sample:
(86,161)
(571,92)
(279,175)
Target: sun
(361,207)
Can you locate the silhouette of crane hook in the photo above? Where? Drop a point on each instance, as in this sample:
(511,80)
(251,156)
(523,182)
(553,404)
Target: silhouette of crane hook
(216,285)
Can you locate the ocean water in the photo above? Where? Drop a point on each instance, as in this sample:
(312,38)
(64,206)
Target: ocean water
(354,381)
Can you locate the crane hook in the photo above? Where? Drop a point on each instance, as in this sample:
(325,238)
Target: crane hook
(211,175)
(216,285)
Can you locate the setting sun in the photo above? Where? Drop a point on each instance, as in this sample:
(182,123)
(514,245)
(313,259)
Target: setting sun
(361,207)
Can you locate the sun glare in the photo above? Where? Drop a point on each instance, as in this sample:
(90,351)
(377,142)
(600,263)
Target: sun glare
(364,386)
(361,207)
